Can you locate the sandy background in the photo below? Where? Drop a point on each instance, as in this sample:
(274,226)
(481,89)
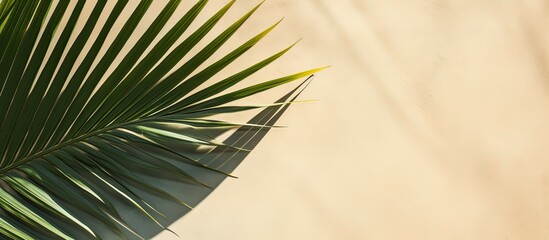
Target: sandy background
(433,123)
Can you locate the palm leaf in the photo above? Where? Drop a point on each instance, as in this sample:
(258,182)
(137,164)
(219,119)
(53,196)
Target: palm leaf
(79,144)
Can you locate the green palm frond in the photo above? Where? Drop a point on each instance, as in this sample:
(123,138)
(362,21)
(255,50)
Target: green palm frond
(77,141)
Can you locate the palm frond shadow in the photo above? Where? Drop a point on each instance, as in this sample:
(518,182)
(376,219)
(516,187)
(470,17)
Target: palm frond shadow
(223,158)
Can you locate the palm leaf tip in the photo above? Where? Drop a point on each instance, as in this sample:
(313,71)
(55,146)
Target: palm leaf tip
(81,145)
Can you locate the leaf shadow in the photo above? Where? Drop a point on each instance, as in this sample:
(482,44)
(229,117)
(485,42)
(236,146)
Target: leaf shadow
(222,158)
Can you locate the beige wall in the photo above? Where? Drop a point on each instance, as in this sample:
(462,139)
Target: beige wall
(433,123)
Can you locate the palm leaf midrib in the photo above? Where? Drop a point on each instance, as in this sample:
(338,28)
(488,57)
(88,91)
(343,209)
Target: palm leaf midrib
(30,157)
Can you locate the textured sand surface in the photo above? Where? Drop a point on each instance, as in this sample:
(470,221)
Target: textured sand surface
(433,123)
